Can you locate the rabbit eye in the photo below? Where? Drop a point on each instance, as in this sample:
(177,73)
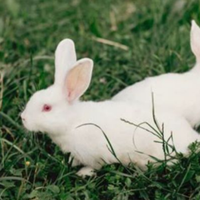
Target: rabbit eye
(46,108)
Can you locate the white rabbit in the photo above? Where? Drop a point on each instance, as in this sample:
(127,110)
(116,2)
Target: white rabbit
(177,92)
(81,127)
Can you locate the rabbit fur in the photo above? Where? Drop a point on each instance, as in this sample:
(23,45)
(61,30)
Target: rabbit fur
(85,128)
(176,92)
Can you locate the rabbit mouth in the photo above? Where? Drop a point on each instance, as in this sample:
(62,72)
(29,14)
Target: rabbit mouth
(28,126)
(25,124)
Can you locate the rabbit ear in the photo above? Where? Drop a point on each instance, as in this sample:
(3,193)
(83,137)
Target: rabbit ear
(78,79)
(195,40)
(65,58)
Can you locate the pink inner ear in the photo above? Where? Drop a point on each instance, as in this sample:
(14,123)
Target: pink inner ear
(73,93)
(78,79)
(195,43)
(72,81)
(70,96)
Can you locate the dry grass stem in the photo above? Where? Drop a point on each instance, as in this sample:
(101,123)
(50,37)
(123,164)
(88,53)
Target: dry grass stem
(111,43)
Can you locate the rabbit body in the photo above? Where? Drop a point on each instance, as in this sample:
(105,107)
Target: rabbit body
(85,128)
(89,146)
(78,128)
(176,92)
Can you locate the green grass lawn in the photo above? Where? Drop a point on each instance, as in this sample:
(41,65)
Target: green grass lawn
(155,35)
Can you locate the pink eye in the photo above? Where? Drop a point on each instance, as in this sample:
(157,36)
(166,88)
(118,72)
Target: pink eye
(46,108)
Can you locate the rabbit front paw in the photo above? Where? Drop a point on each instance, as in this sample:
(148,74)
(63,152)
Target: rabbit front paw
(86,171)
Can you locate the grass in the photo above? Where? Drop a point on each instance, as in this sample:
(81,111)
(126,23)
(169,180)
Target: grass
(156,38)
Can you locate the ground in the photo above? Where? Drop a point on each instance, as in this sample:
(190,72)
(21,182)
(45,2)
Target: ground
(150,38)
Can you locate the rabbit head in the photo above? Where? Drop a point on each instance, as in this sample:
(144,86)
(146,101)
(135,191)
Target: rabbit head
(47,109)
